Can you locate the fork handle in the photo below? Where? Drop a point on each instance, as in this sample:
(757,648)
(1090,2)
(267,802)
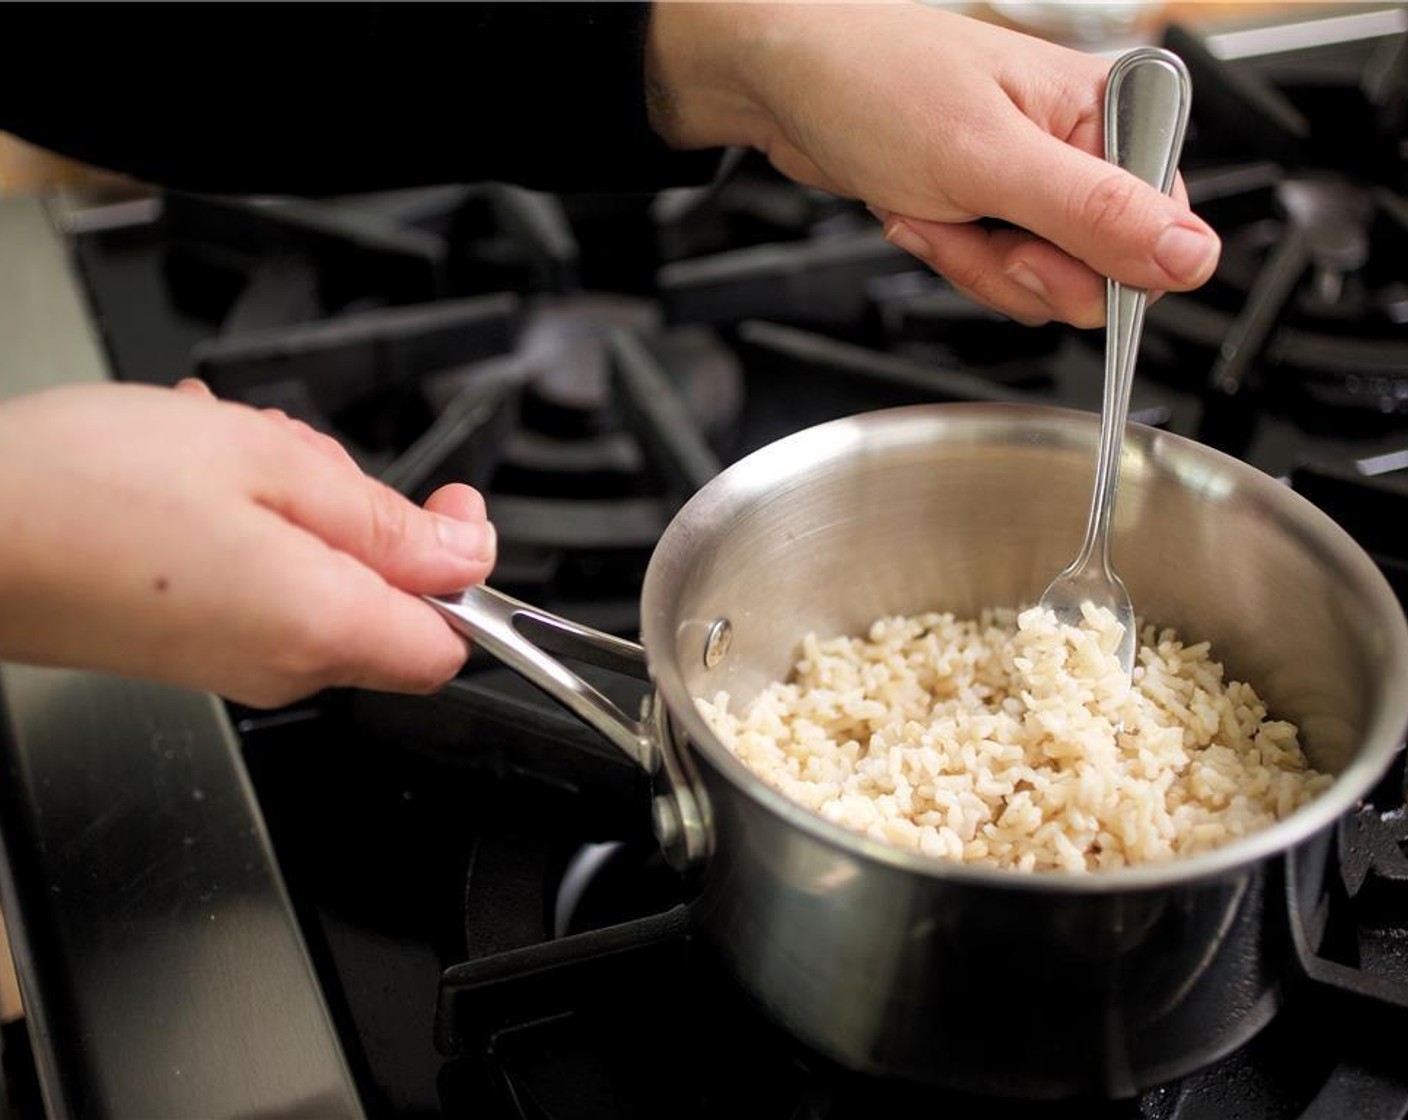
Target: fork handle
(1147,99)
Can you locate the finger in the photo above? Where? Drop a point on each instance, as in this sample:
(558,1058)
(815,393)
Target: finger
(320,442)
(394,642)
(459,501)
(327,445)
(974,260)
(1071,292)
(1116,224)
(390,650)
(414,549)
(1026,321)
(1071,289)
(465,503)
(349,627)
(403,647)
(402,655)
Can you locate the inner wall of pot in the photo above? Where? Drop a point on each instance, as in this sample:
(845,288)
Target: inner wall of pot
(925,512)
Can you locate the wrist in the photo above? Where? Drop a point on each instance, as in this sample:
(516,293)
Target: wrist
(700,62)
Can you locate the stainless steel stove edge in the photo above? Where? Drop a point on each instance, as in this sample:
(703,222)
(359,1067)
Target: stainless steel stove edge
(160,961)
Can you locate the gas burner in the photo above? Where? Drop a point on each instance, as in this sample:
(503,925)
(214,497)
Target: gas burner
(596,997)
(361,377)
(1333,218)
(574,418)
(1304,317)
(585,422)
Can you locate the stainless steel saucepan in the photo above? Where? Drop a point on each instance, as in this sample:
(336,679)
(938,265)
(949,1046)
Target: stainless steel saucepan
(1039,985)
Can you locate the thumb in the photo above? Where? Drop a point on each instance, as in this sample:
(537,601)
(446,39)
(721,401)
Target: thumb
(1113,221)
(413,549)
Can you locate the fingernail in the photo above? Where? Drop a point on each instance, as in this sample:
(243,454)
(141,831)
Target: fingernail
(901,236)
(474,540)
(1024,277)
(1188,255)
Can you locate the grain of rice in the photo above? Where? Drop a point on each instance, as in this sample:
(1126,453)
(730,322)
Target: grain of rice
(1012,741)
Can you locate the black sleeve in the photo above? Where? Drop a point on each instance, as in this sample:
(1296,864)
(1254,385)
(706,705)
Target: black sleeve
(328,98)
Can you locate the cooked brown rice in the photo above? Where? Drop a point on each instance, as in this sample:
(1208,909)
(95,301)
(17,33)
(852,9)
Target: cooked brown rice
(1015,742)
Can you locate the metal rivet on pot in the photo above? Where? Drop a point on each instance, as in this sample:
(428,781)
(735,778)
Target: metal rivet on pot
(716,644)
(665,816)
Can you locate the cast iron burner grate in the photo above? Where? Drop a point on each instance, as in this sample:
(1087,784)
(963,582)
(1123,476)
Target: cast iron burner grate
(1304,178)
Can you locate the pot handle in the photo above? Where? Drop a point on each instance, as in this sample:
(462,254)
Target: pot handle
(495,621)
(492,620)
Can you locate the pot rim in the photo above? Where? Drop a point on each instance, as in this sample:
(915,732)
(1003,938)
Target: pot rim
(759,473)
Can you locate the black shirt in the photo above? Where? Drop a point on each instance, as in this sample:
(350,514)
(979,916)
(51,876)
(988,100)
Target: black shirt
(329,98)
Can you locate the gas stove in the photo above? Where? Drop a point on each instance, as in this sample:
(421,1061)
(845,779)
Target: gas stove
(367,904)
